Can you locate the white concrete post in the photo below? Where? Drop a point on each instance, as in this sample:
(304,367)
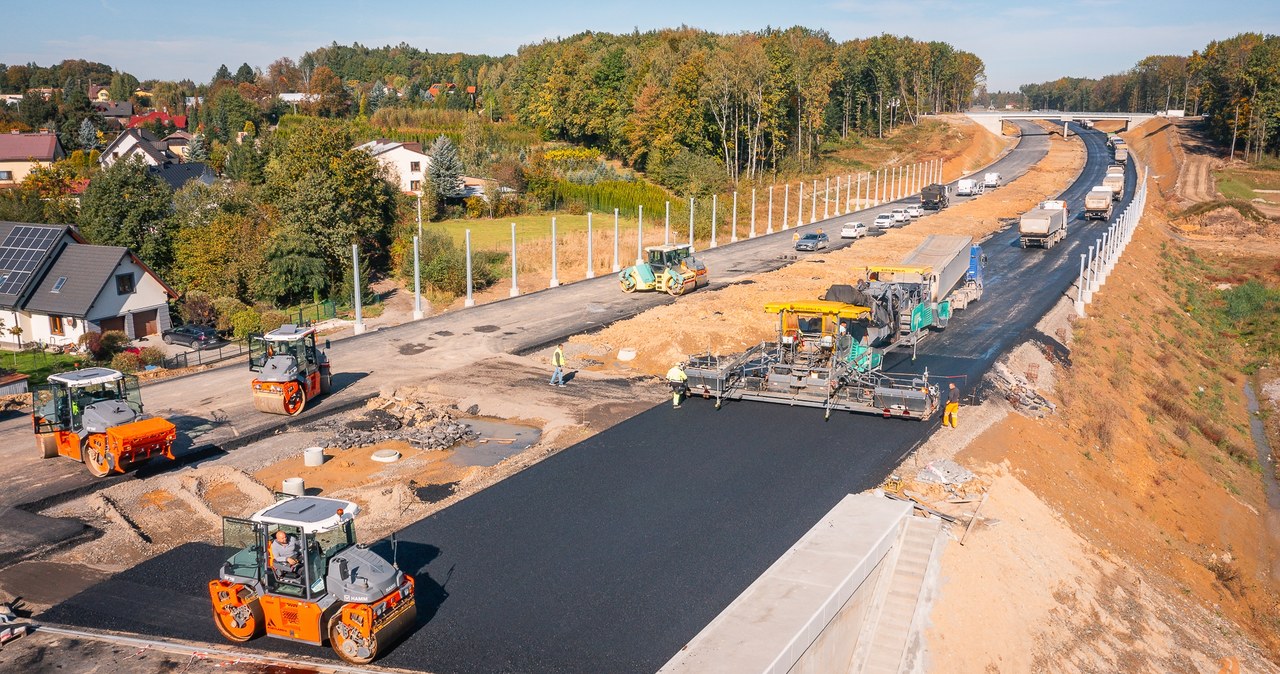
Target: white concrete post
(591,260)
(1088,278)
(417,284)
(753,213)
(419,216)
(769,216)
(471,301)
(837,206)
(800,205)
(555,280)
(690,222)
(640,234)
(734,235)
(616,267)
(515,287)
(1080,289)
(826,199)
(713,221)
(786,203)
(666,235)
(813,206)
(1103,250)
(849,194)
(355,277)
(1093,265)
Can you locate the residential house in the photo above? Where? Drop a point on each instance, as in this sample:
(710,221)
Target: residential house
(406,162)
(11,99)
(116,114)
(158,117)
(177,143)
(193,100)
(19,151)
(99,93)
(178,175)
(140,142)
(56,287)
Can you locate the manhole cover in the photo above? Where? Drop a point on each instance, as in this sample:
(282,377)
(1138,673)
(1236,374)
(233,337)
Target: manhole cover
(385,456)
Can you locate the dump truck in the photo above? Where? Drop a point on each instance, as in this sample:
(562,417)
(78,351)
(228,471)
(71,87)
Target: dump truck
(968,187)
(1098,203)
(291,369)
(95,416)
(935,197)
(991,180)
(1115,180)
(829,352)
(672,269)
(332,590)
(1042,227)
(1121,154)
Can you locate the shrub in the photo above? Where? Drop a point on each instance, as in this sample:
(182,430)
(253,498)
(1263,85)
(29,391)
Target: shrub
(197,307)
(226,308)
(245,322)
(126,362)
(272,319)
(477,207)
(92,342)
(152,355)
(104,345)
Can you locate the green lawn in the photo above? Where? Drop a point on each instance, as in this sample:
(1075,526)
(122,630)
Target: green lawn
(1241,183)
(495,234)
(38,365)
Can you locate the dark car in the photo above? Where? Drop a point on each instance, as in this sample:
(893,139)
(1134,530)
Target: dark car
(812,241)
(194,336)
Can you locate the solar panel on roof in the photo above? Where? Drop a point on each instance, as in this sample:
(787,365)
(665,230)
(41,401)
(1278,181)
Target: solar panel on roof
(20,254)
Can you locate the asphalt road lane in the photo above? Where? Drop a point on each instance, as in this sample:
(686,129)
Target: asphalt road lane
(612,554)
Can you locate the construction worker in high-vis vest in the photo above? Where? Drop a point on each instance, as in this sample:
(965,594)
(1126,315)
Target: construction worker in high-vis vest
(678,381)
(952,408)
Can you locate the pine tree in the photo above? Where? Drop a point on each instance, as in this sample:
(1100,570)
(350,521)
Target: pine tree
(377,96)
(445,169)
(197,149)
(224,73)
(88,135)
(245,74)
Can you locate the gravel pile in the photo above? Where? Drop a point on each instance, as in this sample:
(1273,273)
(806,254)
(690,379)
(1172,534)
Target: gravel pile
(407,421)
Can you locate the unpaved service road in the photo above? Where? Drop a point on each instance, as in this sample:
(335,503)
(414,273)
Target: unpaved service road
(612,554)
(214,413)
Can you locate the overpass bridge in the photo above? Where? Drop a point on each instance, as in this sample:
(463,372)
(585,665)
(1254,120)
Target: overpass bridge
(993,121)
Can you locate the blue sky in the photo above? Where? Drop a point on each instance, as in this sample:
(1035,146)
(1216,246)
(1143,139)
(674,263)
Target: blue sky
(1020,41)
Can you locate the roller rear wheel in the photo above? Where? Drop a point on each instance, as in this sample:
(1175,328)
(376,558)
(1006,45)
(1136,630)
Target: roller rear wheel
(357,650)
(239,624)
(96,457)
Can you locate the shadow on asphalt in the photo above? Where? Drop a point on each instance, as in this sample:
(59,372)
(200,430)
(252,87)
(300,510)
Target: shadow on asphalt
(343,380)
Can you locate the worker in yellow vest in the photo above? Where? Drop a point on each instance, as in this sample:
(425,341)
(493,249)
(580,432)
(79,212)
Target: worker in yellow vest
(679,384)
(557,360)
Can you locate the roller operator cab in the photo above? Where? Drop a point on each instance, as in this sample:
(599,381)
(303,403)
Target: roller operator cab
(312,584)
(291,369)
(95,416)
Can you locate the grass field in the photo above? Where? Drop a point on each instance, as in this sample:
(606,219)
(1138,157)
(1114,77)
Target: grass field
(1243,183)
(495,234)
(39,365)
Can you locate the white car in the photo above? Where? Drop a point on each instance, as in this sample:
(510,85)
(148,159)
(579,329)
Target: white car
(899,215)
(853,230)
(883,221)
(915,210)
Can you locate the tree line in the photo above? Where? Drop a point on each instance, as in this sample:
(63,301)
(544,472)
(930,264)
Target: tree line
(1234,82)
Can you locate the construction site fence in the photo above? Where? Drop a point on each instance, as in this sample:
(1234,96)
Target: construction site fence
(308,314)
(207,355)
(1101,259)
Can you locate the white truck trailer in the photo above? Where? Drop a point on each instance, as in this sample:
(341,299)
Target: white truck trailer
(1098,203)
(1042,227)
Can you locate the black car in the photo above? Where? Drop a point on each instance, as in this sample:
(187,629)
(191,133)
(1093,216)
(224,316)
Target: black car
(812,241)
(194,336)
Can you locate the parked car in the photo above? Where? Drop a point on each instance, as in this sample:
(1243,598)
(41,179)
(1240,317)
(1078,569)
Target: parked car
(900,215)
(915,210)
(194,336)
(812,241)
(853,230)
(883,221)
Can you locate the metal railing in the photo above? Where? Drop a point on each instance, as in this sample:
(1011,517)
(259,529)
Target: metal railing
(1101,259)
(313,313)
(207,355)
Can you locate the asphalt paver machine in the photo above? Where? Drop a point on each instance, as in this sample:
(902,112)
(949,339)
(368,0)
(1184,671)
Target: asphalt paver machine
(335,591)
(291,369)
(94,415)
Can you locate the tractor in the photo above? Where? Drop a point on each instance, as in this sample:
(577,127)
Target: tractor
(291,369)
(318,585)
(94,416)
(670,268)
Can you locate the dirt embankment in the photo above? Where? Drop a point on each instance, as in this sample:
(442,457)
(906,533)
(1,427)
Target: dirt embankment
(1134,530)
(733,319)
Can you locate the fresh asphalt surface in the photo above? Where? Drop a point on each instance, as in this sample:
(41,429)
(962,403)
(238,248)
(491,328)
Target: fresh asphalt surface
(612,554)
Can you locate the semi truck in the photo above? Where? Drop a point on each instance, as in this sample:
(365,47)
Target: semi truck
(1115,181)
(1042,227)
(829,352)
(1098,203)
(935,197)
(968,187)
